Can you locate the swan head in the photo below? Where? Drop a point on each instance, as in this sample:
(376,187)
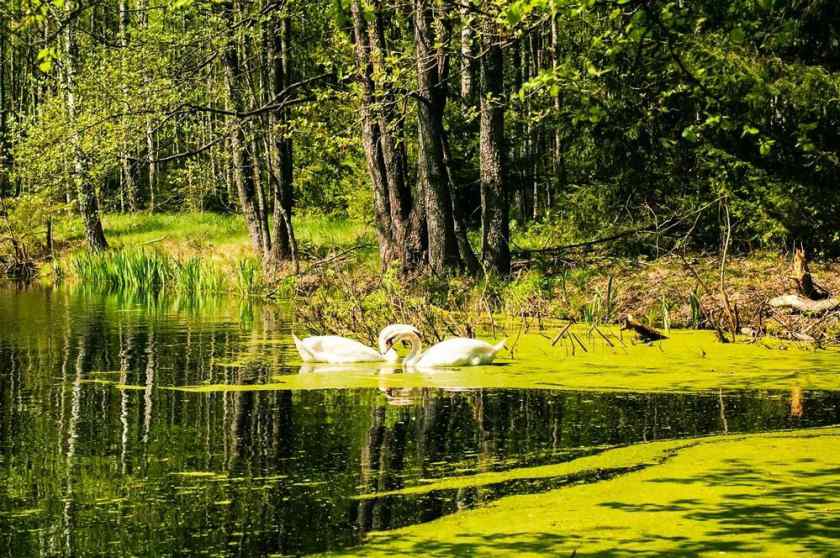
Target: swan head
(393,333)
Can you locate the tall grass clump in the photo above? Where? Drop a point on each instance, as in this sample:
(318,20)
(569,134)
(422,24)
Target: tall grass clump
(142,270)
(195,277)
(249,277)
(130,269)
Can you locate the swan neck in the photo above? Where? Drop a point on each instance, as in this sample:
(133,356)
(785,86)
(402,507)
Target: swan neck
(416,346)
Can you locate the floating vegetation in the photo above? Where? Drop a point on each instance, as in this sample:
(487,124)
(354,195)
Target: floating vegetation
(701,498)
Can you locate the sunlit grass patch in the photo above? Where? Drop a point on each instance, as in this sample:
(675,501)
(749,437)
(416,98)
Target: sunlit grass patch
(145,270)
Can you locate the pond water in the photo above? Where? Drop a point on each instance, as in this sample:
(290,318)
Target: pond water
(101,453)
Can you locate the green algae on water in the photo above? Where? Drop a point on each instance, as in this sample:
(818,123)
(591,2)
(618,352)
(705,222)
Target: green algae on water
(775,494)
(689,361)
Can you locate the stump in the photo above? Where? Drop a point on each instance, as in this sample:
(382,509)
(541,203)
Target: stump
(804,283)
(811,299)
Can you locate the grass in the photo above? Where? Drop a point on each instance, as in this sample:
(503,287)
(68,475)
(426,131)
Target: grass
(584,286)
(190,252)
(771,494)
(146,270)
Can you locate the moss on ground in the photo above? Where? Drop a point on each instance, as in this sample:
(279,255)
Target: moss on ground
(774,494)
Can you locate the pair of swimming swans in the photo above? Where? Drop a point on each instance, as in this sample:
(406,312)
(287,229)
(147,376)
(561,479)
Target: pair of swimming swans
(455,352)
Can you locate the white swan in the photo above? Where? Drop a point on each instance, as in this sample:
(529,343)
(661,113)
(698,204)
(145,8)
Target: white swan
(455,352)
(341,350)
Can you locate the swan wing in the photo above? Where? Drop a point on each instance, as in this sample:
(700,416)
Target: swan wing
(336,350)
(459,351)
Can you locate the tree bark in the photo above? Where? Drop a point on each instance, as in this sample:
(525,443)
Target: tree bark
(131,193)
(371,136)
(4,144)
(401,200)
(431,78)
(467,55)
(284,245)
(242,162)
(495,232)
(88,203)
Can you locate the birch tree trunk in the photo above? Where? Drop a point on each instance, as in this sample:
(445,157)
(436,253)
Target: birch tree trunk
(4,144)
(131,193)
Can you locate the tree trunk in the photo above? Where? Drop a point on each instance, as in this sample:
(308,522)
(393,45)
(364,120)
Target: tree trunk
(4,144)
(262,202)
(467,55)
(88,204)
(130,186)
(559,165)
(151,155)
(371,137)
(284,246)
(242,162)
(400,198)
(431,79)
(471,262)
(495,233)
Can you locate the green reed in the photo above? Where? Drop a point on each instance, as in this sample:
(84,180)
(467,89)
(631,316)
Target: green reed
(146,270)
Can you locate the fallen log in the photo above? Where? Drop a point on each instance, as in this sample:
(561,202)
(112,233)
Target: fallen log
(805,305)
(644,332)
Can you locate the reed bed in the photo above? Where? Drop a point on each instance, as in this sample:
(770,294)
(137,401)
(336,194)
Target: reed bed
(146,270)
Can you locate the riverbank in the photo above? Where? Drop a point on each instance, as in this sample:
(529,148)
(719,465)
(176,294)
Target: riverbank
(344,287)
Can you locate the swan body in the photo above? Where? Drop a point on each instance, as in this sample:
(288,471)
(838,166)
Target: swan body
(451,353)
(340,350)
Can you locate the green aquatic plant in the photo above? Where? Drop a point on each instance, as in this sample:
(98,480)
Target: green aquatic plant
(696,311)
(145,271)
(249,277)
(197,277)
(689,361)
(689,497)
(129,269)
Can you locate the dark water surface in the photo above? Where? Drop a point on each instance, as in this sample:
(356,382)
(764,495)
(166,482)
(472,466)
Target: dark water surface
(98,457)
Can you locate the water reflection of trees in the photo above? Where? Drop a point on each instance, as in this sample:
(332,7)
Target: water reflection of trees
(90,437)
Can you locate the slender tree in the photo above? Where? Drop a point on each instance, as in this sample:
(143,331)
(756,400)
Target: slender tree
(132,196)
(495,232)
(280,150)
(242,161)
(371,135)
(86,191)
(432,68)
(4,144)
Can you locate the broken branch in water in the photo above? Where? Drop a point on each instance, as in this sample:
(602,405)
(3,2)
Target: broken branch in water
(644,332)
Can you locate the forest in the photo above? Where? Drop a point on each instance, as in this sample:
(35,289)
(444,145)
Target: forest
(419,277)
(447,125)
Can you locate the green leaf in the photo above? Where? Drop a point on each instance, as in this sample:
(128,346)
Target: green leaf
(737,35)
(765,147)
(749,130)
(690,134)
